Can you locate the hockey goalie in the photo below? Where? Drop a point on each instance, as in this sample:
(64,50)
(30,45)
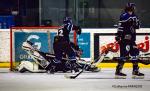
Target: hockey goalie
(43,62)
(38,64)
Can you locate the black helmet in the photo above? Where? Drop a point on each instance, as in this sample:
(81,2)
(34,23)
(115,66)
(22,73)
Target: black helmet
(67,20)
(130,7)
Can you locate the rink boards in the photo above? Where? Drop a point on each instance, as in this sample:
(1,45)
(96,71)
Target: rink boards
(92,41)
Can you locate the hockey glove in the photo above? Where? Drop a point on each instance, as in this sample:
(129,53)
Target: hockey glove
(79,30)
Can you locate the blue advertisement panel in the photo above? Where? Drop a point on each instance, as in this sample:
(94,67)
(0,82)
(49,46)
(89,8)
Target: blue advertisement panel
(41,41)
(84,44)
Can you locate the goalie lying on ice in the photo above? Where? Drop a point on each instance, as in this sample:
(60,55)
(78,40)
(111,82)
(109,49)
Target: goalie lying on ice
(44,61)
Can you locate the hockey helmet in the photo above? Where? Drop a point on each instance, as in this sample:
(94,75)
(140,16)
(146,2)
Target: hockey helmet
(130,7)
(67,20)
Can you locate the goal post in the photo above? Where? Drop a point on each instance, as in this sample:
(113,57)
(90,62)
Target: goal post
(42,36)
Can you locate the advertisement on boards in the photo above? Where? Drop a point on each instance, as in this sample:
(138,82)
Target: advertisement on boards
(107,41)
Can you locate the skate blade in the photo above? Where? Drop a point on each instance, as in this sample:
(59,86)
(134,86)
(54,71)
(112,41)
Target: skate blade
(137,77)
(120,77)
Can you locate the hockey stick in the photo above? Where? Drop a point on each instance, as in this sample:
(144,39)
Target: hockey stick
(74,76)
(100,59)
(144,54)
(132,57)
(143,60)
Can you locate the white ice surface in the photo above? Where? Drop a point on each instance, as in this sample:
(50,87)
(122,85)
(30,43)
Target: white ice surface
(101,81)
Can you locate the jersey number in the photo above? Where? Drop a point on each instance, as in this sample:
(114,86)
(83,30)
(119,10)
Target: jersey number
(60,32)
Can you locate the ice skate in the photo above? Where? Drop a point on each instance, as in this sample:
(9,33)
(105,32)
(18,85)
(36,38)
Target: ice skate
(120,75)
(137,75)
(94,69)
(51,70)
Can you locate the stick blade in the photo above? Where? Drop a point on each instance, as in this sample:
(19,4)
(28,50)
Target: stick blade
(73,76)
(70,77)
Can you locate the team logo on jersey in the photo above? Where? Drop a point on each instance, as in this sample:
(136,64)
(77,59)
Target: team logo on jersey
(128,48)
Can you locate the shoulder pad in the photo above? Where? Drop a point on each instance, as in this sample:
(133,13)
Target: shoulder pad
(124,16)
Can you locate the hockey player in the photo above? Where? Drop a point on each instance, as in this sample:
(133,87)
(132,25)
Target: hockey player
(126,37)
(62,43)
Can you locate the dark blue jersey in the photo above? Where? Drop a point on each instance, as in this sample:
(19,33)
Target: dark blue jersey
(66,29)
(127,26)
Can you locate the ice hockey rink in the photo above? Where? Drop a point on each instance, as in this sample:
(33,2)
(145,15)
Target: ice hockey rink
(87,81)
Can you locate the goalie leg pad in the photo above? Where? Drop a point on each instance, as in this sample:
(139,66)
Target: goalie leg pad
(29,66)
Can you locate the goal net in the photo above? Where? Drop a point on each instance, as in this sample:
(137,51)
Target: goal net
(42,37)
